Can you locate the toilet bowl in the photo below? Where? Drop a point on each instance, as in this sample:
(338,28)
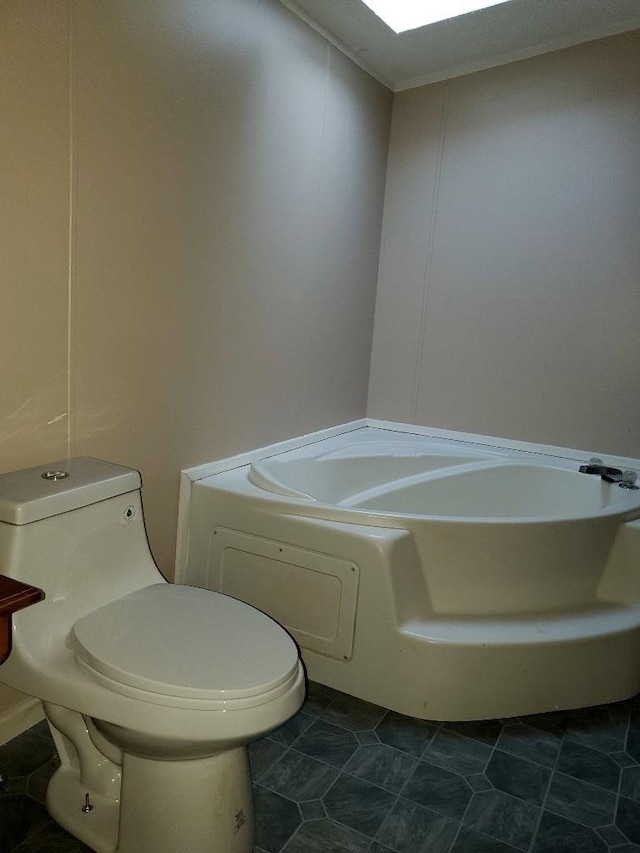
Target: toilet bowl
(152,690)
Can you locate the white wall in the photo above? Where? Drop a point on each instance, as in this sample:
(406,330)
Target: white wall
(190,233)
(230,172)
(191,219)
(509,290)
(33,246)
(191,209)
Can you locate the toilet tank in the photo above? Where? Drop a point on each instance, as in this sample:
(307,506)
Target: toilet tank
(81,538)
(57,487)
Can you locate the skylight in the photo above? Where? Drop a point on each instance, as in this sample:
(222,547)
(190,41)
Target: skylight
(403,15)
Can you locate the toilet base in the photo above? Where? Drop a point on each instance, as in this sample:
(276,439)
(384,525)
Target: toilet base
(65,799)
(202,805)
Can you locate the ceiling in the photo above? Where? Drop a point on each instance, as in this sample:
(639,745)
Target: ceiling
(482,39)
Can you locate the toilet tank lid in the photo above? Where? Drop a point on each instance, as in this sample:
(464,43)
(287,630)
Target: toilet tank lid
(27,495)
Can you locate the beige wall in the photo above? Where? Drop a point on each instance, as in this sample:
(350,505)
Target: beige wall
(34,182)
(191,217)
(509,291)
(34,191)
(190,229)
(190,226)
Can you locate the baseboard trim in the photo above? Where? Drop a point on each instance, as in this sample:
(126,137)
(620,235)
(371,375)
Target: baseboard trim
(20,717)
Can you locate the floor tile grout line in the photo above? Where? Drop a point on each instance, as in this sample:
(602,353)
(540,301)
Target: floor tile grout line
(534,837)
(622,769)
(346,826)
(468,806)
(283,848)
(395,803)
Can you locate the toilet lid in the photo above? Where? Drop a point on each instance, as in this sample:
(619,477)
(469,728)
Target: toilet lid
(183,641)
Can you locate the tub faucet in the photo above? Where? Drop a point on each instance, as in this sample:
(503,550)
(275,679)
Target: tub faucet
(625,479)
(628,480)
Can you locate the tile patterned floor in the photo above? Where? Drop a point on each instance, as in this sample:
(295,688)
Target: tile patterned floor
(344,776)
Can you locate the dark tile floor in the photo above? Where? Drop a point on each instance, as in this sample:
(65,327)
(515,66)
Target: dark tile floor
(344,776)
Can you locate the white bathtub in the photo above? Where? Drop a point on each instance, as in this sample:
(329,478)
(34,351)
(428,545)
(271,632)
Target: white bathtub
(445,579)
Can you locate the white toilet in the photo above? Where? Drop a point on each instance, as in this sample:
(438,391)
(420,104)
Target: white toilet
(152,690)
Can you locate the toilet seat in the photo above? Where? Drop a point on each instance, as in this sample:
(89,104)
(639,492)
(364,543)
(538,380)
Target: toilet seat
(181,641)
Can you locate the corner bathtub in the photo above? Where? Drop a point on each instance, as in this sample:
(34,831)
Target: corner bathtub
(445,579)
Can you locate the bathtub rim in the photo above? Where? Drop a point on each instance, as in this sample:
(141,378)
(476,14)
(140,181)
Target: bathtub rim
(312,508)
(282,491)
(193,475)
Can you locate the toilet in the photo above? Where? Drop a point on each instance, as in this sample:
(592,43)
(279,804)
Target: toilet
(152,690)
